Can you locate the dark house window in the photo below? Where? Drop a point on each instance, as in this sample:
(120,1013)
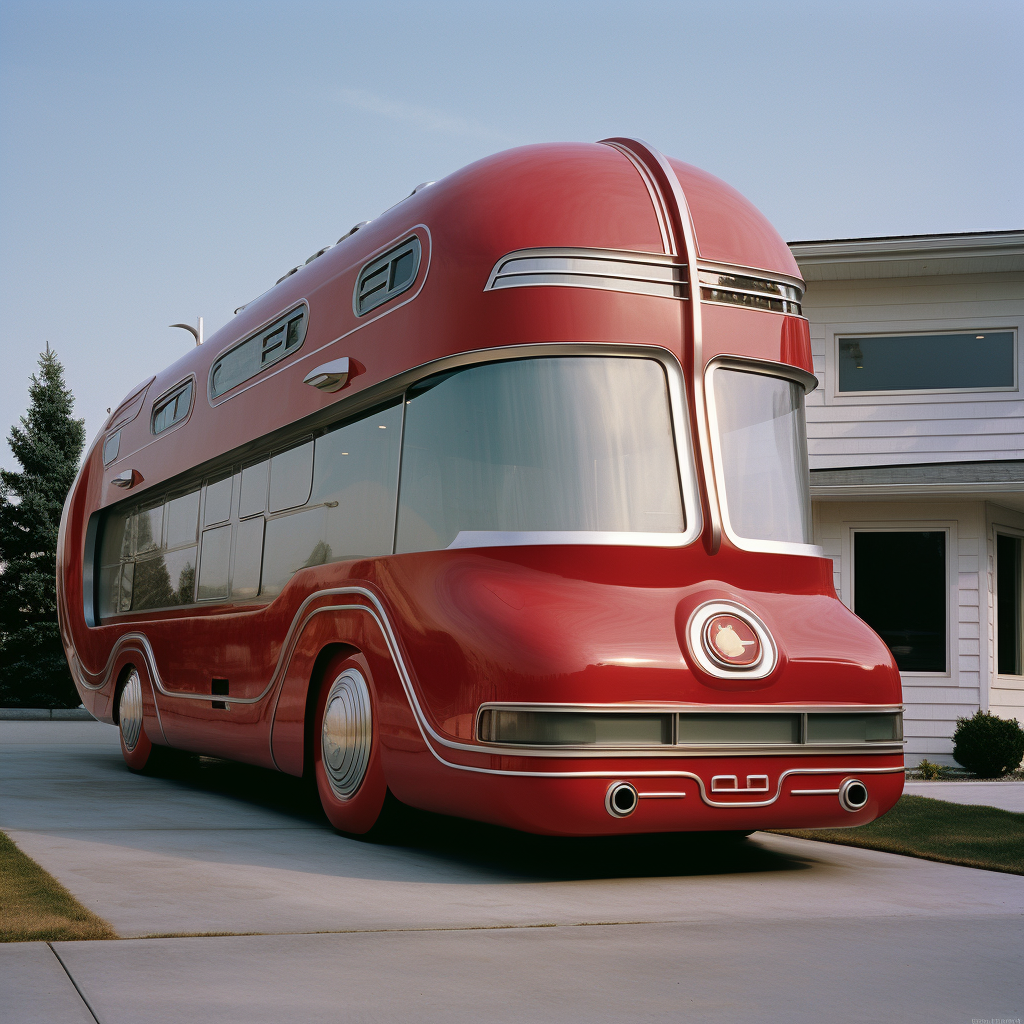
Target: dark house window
(1009,605)
(899,590)
(927,362)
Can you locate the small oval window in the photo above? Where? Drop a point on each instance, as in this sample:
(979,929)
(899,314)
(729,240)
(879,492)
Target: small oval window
(172,408)
(111,447)
(387,276)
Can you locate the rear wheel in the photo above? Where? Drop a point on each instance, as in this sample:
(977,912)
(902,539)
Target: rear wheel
(346,747)
(136,748)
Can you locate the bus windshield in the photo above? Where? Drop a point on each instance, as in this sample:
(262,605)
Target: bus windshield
(534,450)
(763,442)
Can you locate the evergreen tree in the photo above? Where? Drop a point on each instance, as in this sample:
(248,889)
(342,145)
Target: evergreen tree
(47,445)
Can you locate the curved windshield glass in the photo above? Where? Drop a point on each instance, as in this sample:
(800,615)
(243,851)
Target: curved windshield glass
(569,445)
(762,437)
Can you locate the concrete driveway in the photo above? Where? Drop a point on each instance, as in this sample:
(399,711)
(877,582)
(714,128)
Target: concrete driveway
(457,921)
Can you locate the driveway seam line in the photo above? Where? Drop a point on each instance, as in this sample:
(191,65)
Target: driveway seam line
(81,994)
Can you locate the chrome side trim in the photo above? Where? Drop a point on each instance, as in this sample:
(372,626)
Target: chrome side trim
(814,792)
(524,538)
(668,239)
(430,736)
(609,269)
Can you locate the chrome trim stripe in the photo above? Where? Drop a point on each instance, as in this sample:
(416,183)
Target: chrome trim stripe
(814,792)
(644,153)
(681,707)
(523,538)
(609,269)
(430,736)
(668,240)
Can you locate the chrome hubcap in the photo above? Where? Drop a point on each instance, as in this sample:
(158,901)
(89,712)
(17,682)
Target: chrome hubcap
(129,711)
(346,733)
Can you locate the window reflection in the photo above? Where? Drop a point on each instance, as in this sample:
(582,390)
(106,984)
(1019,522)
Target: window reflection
(560,444)
(763,440)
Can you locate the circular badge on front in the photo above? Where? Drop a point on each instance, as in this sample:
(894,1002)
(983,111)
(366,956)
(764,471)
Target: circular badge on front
(730,641)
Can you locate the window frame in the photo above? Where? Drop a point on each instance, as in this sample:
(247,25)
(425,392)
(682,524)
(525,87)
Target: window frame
(848,582)
(915,328)
(163,400)
(279,320)
(386,260)
(764,368)
(999,530)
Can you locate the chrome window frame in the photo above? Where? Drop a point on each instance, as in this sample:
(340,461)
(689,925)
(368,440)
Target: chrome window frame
(686,466)
(164,399)
(765,368)
(273,321)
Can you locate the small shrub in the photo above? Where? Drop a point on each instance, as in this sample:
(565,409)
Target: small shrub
(930,770)
(988,745)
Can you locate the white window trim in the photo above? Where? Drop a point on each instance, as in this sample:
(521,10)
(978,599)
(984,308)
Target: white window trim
(1008,681)
(958,325)
(947,526)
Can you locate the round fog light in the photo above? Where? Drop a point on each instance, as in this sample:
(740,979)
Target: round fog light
(853,795)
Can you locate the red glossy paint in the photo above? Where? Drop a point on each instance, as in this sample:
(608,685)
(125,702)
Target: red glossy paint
(439,633)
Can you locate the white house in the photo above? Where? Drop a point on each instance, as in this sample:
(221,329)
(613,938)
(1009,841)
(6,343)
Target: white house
(916,441)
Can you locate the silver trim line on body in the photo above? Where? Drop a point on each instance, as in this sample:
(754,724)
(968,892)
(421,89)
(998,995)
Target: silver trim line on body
(607,269)
(638,150)
(430,736)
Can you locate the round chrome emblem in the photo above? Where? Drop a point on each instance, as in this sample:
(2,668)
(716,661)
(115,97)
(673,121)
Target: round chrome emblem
(731,641)
(129,711)
(346,733)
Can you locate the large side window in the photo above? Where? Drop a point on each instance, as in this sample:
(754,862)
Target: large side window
(148,555)
(350,512)
(900,587)
(1010,604)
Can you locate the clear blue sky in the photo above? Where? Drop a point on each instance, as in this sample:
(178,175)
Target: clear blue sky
(165,160)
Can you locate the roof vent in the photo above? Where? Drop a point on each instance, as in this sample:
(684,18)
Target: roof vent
(352,230)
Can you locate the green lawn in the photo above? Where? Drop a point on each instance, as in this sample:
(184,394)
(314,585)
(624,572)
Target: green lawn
(35,906)
(918,826)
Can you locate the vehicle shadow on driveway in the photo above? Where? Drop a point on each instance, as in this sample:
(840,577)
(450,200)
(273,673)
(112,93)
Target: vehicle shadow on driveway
(490,848)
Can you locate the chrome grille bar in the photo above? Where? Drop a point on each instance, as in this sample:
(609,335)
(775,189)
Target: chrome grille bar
(646,274)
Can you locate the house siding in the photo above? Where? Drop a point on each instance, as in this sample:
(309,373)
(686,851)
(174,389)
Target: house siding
(847,430)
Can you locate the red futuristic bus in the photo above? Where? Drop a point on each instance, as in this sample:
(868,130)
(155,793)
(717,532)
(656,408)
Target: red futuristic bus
(501,504)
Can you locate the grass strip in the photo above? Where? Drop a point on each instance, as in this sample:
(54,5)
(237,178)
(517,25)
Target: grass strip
(34,906)
(919,826)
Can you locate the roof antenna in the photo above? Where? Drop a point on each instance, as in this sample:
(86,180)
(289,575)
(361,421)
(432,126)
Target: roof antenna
(196,333)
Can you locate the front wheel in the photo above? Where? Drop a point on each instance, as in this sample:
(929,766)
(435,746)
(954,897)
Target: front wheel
(346,747)
(136,747)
